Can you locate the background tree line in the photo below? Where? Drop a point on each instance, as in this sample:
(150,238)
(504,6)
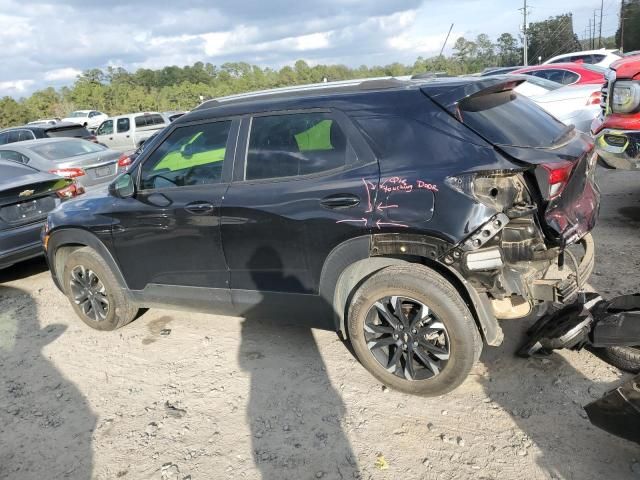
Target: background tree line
(116,91)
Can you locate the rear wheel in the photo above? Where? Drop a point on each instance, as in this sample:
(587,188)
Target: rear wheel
(94,292)
(624,358)
(411,329)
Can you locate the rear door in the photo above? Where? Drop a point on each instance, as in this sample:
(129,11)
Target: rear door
(302,185)
(167,237)
(122,138)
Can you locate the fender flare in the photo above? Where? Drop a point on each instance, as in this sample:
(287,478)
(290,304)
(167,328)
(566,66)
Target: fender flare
(82,238)
(354,260)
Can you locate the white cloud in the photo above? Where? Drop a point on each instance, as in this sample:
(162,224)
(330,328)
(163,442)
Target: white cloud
(59,74)
(15,86)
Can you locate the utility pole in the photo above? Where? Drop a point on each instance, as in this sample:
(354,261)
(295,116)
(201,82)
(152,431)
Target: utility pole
(621,26)
(590,37)
(594,30)
(446,39)
(600,34)
(525,42)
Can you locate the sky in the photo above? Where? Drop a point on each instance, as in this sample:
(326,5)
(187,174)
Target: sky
(48,43)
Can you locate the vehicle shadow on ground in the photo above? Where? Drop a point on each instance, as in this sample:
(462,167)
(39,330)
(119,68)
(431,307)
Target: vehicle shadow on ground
(295,413)
(37,442)
(23,270)
(545,398)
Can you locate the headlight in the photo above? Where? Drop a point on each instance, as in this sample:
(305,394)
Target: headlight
(626,96)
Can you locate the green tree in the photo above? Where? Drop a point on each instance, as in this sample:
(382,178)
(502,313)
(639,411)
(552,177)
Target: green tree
(631,16)
(508,51)
(552,37)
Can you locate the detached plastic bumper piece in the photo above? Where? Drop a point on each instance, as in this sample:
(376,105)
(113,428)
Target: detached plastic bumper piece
(589,322)
(618,412)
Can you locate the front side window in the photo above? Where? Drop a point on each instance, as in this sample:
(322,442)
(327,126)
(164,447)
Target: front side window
(106,128)
(122,125)
(4,138)
(294,144)
(190,156)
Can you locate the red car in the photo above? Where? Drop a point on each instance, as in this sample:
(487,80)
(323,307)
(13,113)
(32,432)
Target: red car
(566,73)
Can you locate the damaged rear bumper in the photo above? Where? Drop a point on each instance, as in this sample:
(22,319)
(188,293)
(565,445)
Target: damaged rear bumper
(562,284)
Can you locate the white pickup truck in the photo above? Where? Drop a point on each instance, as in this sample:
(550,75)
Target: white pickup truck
(128,132)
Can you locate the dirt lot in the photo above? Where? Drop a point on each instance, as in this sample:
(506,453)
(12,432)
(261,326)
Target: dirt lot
(179,396)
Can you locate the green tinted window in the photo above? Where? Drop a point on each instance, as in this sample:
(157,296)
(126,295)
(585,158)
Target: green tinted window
(294,144)
(189,156)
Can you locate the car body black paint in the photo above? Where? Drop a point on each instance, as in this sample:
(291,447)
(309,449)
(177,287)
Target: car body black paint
(275,237)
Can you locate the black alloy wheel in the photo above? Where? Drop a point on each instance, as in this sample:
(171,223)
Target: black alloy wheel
(407,338)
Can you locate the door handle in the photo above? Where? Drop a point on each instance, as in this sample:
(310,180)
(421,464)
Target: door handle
(128,136)
(341,200)
(199,208)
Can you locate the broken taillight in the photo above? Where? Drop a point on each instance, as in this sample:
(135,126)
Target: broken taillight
(553,177)
(497,190)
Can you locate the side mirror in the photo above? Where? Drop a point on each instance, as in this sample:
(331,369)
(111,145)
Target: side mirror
(123,186)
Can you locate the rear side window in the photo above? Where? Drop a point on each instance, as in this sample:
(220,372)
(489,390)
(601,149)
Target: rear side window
(123,125)
(295,144)
(13,155)
(149,120)
(14,136)
(25,135)
(506,118)
(76,132)
(189,156)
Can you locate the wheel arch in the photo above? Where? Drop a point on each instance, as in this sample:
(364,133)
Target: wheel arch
(352,262)
(63,242)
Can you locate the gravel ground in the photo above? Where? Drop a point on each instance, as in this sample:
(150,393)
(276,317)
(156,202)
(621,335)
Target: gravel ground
(191,396)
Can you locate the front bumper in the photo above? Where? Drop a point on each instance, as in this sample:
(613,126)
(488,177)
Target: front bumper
(619,148)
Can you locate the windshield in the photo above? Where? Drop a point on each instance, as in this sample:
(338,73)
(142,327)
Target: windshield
(507,118)
(58,151)
(78,114)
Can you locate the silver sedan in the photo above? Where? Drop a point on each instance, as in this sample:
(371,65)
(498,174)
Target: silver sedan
(88,163)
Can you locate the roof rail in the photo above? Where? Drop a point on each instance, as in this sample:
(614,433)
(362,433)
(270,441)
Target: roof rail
(300,90)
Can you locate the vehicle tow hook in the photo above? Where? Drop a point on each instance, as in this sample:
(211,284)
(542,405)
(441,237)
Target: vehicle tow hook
(591,321)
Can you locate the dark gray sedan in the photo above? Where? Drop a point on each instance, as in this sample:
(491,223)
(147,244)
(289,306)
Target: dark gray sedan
(88,163)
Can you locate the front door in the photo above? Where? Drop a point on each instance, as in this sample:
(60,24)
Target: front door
(167,237)
(302,185)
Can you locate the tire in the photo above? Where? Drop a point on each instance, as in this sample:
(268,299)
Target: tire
(106,307)
(624,358)
(453,349)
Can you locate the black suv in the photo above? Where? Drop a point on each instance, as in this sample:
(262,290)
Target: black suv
(406,215)
(32,132)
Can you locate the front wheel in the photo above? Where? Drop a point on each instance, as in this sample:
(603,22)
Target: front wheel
(411,329)
(94,292)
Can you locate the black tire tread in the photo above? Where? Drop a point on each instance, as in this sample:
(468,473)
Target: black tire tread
(125,311)
(430,281)
(624,358)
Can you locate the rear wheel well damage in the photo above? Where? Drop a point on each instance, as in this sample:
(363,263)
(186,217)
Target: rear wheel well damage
(355,265)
